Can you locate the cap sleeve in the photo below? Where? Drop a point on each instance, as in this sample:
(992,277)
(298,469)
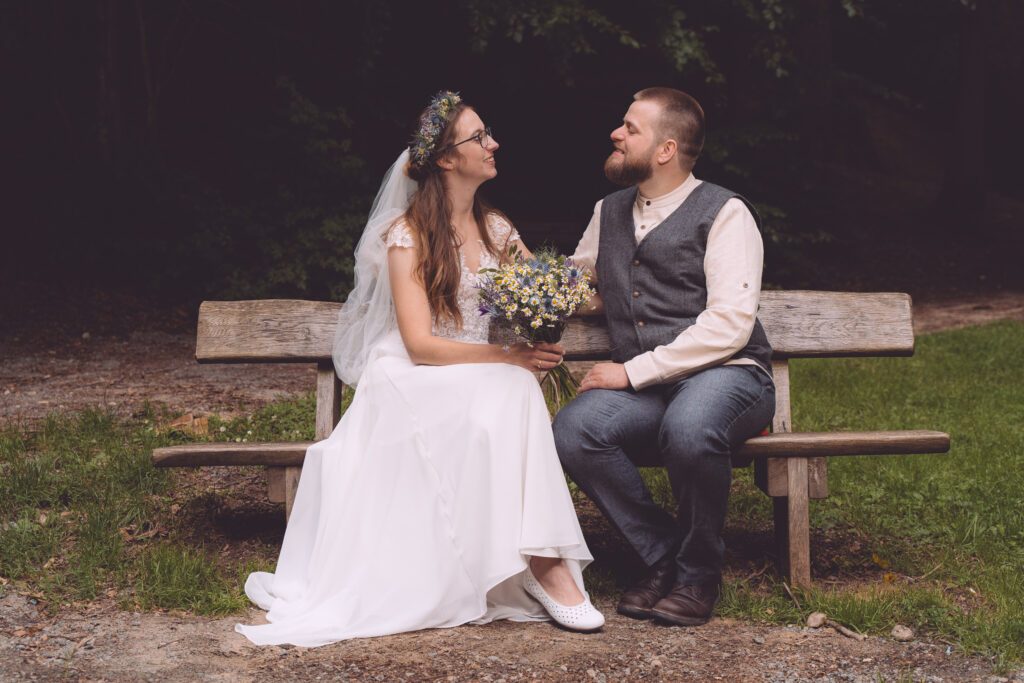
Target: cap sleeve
(502,231)
(399,236)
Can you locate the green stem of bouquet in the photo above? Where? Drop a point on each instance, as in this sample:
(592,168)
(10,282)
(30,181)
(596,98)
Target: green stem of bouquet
(559,387)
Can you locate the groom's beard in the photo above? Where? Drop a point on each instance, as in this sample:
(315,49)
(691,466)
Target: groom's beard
(627,173)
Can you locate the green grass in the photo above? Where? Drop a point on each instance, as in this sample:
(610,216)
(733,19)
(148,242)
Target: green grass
(73,493)
(178,577)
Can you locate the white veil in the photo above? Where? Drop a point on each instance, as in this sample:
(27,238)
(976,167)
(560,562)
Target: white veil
(369,312)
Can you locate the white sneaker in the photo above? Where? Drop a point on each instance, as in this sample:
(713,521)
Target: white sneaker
(581,617)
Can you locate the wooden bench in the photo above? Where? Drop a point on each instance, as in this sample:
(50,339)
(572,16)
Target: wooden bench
(790,467)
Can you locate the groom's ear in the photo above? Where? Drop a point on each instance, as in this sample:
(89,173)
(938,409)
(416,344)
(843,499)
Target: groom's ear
(667,151)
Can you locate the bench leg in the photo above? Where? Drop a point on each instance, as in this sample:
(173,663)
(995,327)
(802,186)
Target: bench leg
(291,484)
(780,513)
(275,484)
(798,525)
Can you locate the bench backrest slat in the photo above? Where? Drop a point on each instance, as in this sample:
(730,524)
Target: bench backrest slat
(799,324)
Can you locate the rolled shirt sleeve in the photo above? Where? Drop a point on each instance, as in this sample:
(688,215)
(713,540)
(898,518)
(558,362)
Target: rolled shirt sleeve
(733,262)
(585,255)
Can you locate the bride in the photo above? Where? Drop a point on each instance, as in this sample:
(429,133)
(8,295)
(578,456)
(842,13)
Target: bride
(438,500)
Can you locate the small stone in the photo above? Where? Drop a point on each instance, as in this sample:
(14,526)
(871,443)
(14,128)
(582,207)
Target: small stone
(902,634)
(817,619)
(759,640)
(655,662)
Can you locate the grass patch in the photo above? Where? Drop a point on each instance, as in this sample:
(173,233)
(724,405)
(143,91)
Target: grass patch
(83,512)
(176,577)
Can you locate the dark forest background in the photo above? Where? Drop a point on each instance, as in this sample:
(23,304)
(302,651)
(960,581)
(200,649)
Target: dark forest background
(231,148)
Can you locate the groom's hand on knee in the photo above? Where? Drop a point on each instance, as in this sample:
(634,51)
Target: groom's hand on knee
(605,376)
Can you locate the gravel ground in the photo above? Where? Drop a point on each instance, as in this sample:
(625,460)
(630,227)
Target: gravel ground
(94,643)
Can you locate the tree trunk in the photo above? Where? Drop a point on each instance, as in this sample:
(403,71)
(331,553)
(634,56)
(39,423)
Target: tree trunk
(962,197)
(108,105)
(812,43)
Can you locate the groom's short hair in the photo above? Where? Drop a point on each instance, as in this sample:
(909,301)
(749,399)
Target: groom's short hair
(682,120)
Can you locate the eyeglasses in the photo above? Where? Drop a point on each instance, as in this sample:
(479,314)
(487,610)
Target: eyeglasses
(484,138)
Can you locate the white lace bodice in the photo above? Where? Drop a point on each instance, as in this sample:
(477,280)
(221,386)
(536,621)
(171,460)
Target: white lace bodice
(475,327)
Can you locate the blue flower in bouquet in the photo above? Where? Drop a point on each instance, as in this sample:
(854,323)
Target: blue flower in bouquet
(536,296)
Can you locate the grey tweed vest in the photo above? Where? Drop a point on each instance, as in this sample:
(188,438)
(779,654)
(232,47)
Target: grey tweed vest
(655,290)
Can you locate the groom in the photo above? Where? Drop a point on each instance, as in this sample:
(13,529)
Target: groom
(678,266)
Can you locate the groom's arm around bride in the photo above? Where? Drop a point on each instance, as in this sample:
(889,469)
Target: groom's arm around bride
(678,264)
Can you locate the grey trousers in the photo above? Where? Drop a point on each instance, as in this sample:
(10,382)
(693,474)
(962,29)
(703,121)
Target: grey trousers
(691,427)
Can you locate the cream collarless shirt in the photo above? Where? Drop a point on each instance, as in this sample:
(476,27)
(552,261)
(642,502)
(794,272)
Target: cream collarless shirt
(733,262)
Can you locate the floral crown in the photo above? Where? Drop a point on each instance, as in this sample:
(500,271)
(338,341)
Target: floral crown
(432,124)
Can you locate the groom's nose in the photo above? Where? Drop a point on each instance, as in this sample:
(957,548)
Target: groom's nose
(617,134)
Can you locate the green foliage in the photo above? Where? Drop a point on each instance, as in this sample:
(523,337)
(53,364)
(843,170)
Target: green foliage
(298,234)
(680,32)
(571,24)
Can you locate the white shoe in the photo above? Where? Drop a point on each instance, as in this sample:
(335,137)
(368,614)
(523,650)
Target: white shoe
(581,617)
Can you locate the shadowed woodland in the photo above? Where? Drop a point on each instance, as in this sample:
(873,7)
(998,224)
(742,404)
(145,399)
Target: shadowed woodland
(196,149)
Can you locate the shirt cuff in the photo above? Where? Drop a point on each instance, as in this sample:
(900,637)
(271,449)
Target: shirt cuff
(642,371)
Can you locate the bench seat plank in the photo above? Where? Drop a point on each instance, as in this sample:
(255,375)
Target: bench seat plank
(788,445)
(229,453)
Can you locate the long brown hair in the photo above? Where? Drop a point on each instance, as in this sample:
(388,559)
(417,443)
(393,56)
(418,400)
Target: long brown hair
(429,217)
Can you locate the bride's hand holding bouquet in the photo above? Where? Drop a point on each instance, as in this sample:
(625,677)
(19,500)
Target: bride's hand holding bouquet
(536,297)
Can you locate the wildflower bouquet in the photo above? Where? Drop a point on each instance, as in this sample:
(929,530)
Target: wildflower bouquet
(536,297)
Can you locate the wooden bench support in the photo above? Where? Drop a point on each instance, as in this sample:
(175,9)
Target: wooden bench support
(275,484)
(283,482)
(798,525)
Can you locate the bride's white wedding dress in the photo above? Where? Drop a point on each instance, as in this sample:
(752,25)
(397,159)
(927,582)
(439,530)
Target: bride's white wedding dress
(421,508)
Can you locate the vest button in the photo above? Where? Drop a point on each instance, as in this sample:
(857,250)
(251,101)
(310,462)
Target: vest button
(640,323)
(635,293)
(636,262)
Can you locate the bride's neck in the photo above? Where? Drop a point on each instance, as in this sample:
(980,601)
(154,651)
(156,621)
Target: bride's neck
(461,198)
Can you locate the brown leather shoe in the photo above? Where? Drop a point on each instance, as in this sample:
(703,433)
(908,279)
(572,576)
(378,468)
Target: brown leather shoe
(642,596)
(688,605)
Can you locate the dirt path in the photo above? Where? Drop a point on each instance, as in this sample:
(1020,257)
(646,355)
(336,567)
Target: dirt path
(120,366)
(98,644)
